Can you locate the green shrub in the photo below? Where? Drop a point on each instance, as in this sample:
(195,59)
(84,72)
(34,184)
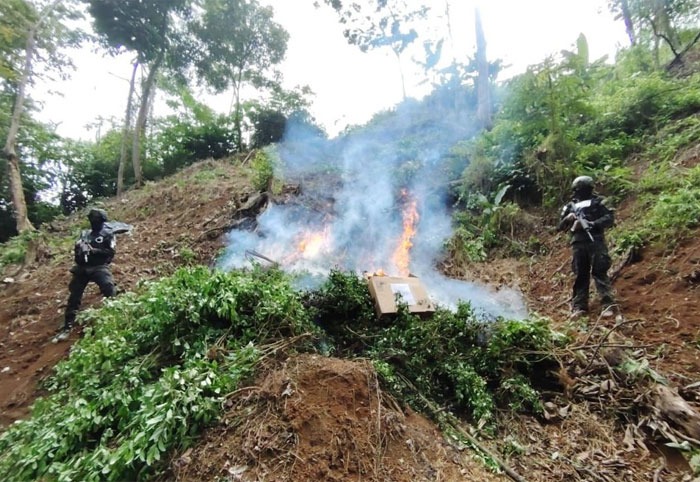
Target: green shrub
(465,247)
(675,214)
(670,208)
(149,375)
(629,240)
(456,357)
(179,143)
(263,170)
(484,226)
(15,250)
(187,255)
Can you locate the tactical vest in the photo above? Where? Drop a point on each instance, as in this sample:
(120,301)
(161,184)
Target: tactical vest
(104,241)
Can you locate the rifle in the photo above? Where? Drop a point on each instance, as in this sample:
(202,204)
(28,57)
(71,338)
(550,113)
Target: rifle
(585,224)
(84,247)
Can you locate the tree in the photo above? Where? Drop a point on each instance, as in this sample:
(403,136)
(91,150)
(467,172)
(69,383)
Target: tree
(622,10)
(155,31)
(41,27)
(238,43)
(673,22)
(126,129)
(41,170)
(380,23)
(269,126)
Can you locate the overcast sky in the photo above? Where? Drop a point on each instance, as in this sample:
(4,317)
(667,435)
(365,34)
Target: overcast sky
(350,85)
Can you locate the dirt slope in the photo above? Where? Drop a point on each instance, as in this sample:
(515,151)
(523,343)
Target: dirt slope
(175,222)
(337,423)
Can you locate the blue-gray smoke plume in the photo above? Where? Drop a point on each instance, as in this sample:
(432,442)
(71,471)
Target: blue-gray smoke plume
(350,212)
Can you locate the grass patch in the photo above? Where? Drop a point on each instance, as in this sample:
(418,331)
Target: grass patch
(15,249)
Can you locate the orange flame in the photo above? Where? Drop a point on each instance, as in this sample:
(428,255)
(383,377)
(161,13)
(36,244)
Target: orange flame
(377,272)
(313,243)
(410,218)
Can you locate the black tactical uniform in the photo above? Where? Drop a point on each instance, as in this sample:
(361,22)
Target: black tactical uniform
(590,253)
(93,252)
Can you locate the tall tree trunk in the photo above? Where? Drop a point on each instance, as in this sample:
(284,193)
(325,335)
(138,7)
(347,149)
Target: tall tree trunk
(627,18)
(19,203)
(13,166)
(403,80)
(483,88)
(237,118)
(141,119)
(449,29)
(14,174)
(125,131)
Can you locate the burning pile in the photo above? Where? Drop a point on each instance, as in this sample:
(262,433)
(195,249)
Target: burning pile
(359,217)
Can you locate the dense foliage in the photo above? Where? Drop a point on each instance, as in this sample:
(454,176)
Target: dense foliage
(149,374)
(153,368)
(570,117)
(452,357)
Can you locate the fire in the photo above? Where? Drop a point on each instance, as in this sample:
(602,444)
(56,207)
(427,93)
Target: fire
(313,243)
(410,218)
(378,272)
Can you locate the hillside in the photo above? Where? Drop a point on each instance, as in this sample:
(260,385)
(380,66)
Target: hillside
(176,222)
(312,417)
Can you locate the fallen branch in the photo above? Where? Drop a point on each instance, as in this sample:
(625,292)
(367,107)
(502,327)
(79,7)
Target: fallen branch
(245,161)
(251,253)
(674,408)
(602,341)
(208,232)
(454,424)
(501,463)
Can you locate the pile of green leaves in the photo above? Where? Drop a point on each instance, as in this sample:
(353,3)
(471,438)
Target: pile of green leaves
(471,365)
(453,358)
(152,369)
(149,375)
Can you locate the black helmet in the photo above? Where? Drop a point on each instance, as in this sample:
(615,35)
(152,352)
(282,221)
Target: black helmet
(97,216)
(582,183)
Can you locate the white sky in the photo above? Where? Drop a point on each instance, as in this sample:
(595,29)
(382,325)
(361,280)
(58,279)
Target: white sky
(351,86)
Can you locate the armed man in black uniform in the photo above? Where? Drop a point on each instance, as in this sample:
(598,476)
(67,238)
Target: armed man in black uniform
(586,217)
(93,252)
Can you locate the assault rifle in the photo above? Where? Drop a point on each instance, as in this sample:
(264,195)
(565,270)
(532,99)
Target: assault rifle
(585,224)
(83,244)
(84,247)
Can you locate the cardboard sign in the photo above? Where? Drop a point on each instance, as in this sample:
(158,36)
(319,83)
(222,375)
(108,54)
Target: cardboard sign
(387,289)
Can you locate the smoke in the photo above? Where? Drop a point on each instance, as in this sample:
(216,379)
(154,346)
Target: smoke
(350,212)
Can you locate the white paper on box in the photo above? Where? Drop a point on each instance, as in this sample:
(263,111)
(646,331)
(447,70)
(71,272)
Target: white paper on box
(404,291)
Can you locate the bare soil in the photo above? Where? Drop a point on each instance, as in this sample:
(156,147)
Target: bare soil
(316,418)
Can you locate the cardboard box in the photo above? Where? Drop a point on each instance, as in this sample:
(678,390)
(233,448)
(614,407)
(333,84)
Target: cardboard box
(385,289)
